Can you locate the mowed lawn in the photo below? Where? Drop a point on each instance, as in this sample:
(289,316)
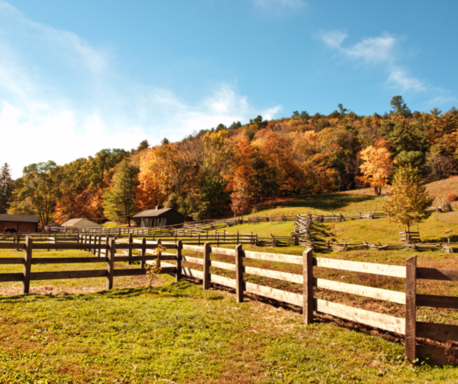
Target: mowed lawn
(179,333)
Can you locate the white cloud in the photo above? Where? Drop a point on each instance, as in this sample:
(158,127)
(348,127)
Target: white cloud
(376,51)
(280,3)
(61,99)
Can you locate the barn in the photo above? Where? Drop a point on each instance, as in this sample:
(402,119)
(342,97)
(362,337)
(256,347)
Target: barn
(81,223)
(159,217)
(21,223)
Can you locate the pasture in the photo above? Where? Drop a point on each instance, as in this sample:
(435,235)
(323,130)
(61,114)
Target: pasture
(75,331)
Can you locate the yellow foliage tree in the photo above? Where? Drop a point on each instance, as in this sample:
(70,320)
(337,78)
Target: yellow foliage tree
(377,165)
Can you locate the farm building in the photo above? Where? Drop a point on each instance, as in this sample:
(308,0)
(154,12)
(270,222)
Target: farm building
(21,223)
(159,217)
(81,223)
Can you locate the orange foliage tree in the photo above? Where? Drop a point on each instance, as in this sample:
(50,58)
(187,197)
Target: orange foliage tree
(377,165)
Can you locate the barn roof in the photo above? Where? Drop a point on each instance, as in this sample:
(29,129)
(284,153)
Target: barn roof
(155,212)
(82,222)
(19,218)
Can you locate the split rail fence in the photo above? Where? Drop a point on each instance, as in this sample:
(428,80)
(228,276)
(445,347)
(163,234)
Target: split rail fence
(408,326)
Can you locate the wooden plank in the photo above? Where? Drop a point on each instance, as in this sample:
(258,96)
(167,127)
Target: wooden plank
(373,319)
(12,246)
(110,262)
(67,260)
(356,266)
(436,331)
(436,354)
(69,246)
(374,293)
(437,274)
(179,257)
(292,277)
(187,247)
(273,293)
(192,273)
(223,251)
(411,310)
(11,260)
(221,280)
(194,260)
(227,266)
(437,301)
(6,277)
(206,266)
(35,276)
(239,273)
(27,264)
(291,259)
(307,286)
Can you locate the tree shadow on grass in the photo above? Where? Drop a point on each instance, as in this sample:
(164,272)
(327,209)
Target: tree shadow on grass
(327,202)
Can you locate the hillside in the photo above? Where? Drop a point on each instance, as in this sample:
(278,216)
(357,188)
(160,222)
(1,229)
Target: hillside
(439,189)
(227,170)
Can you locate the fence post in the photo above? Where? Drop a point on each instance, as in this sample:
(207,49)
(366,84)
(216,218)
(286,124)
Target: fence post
(307,258)
(142,262)
(90,242)
(110,261)
(206,268)
(100,246)
(411,307)
(199,238)
(239,269)
(27,264)
(130,241)
(179,258)
(238,237)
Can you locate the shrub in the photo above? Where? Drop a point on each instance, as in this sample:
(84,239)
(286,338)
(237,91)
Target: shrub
(452,197)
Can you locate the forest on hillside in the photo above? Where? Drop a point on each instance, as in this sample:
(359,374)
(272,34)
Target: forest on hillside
(237,168)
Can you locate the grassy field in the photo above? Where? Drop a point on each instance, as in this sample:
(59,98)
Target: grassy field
(180,333)
(323,204)
(74,331)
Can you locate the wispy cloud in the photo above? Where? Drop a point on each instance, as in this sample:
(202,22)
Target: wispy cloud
(376,51)
(61,99)
(280,3)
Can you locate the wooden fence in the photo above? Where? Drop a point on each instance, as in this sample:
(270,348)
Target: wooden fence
(408,326)
(110,258)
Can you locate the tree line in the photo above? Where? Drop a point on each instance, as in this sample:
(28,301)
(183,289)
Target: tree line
(238,167)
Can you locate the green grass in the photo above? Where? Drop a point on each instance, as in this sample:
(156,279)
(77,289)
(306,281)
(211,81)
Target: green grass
(323,204)
(180,333)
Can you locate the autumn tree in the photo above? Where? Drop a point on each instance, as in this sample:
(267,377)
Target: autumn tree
(409,200)
(119,200)
(6,188)
(376,165)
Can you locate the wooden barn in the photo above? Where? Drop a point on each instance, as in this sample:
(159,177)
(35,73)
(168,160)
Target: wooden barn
(159,217)
(21,223)
(81,223)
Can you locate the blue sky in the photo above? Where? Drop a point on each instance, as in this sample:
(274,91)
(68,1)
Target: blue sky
(78,76)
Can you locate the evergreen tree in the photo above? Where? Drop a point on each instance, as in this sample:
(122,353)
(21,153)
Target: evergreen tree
(399,107)
(119,201)
(409,200)
(6,188)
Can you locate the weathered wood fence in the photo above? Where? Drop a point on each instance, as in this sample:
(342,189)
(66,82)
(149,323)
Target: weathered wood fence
(110,258)
(408,326)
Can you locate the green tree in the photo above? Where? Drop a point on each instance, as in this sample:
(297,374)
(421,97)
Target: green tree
(119,200)
(399,107)
(409,200)
(436,112)
(39,187)
(6,188)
